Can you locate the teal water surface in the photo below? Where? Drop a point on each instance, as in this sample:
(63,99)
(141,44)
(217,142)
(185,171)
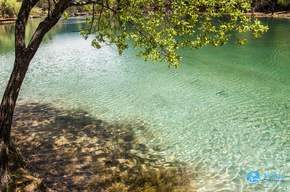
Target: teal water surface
(225,111)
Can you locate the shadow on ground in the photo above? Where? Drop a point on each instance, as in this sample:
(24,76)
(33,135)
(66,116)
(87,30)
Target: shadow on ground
(21,173)
(72,151)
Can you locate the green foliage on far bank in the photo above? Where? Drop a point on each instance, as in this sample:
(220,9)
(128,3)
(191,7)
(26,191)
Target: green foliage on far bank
(284,2)
(267,6)
(10,8)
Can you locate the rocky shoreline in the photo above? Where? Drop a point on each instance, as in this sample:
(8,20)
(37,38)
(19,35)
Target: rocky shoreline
(69,150)
(280,14)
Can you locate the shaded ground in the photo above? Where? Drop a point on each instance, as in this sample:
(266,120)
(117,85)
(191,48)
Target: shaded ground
(72,151)
(21,173)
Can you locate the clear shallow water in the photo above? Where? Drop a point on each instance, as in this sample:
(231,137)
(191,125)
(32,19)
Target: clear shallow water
(225,111)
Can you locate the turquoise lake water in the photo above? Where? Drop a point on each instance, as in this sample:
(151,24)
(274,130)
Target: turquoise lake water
(224,111)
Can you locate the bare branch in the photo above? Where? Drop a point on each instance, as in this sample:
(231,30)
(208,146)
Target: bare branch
(21,24)
(90,30)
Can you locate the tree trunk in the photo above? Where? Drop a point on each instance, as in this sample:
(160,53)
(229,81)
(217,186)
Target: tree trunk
(23,56)
(7,109)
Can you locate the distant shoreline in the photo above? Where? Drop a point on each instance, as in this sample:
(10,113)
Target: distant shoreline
(7,20)
(280,14)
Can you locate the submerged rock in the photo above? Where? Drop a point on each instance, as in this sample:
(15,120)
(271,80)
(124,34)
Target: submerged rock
(222,93)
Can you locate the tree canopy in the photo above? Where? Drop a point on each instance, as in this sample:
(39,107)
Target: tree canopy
(154,25)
